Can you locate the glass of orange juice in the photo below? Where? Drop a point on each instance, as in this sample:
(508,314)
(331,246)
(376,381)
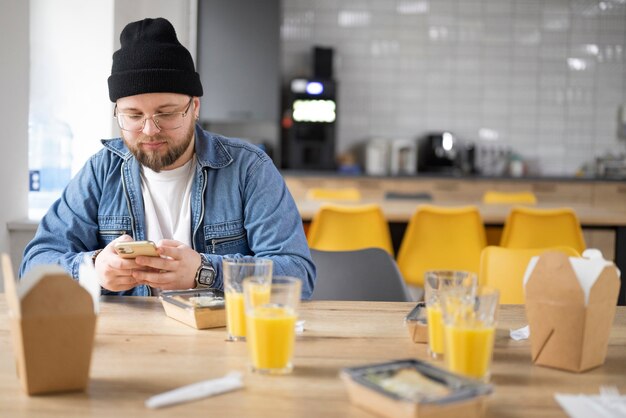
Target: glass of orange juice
(271,323)
(235,270)
(469,330)
(435,282)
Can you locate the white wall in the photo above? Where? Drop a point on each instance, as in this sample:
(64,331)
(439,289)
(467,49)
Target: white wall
(544,77)
(14,70)
(182,14)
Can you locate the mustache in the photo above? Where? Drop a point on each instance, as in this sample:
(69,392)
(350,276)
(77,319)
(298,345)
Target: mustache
(144,139)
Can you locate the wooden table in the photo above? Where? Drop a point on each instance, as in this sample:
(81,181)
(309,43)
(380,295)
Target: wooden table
(140,352)
(399,212)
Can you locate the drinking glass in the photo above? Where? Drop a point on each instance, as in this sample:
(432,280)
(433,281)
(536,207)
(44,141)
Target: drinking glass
(436,281)
(271,320)
(235,270)
(469,330)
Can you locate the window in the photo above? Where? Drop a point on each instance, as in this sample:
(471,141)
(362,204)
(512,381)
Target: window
(70,111)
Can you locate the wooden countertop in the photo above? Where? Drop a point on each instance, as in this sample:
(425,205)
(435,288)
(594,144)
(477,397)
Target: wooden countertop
(140,352)
(447,176)
(401,210)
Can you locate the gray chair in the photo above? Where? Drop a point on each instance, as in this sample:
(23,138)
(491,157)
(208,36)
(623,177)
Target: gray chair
(369,274)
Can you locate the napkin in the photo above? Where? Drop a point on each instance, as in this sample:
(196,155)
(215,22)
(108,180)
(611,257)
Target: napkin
(196,391)
(300,326)
(520,334)
(608,404)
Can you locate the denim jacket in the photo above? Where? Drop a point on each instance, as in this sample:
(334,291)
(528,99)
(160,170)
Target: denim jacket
(239,205)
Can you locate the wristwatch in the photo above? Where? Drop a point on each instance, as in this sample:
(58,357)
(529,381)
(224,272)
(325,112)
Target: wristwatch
(94,255)
(205,276)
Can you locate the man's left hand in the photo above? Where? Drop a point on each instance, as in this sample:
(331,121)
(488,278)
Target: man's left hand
(174,270)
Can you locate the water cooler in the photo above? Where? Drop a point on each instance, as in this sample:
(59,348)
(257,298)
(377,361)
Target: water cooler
(49,162)
(310,117)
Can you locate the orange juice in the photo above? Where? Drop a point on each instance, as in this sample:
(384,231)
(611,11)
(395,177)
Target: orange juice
(260,294)
(469,350)
(235,312)
(235,316)
(271,337)
(435,329)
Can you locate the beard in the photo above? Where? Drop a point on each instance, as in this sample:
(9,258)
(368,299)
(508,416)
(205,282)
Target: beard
(153,159)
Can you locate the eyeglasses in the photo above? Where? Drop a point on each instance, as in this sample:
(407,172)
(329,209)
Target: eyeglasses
(133,122)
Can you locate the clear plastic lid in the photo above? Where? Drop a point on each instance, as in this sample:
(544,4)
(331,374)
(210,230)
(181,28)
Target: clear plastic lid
(194,298)
(417,381)
(417,314)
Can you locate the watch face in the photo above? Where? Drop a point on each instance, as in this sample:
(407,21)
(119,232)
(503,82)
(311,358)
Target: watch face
(206,276)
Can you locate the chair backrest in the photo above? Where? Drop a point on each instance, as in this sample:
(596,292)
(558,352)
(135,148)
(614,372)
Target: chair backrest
(350,194)
(441,238)
(368,274)
(343,228)
(504,268)
(493,197)
(542,228)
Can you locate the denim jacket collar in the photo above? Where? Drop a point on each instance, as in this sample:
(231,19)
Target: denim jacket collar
(214,155)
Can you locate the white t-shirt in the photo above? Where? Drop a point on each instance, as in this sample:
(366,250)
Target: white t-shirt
(166,198)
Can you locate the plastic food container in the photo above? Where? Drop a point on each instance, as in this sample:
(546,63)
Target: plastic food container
(198,308)
(416,323)
(416,389)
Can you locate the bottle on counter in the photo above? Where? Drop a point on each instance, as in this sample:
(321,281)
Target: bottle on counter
(49,162)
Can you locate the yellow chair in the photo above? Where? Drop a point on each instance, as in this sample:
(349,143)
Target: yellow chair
(504,268)
(494,233)
(542,228)
(493,197)
(441,238)
(350,194)
(346,228)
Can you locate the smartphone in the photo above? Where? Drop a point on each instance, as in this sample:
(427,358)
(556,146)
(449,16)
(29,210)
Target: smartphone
(131,249)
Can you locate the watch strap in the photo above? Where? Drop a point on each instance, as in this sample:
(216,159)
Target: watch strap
(94,255)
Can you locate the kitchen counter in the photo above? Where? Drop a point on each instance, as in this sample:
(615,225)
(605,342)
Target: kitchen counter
(442,187)
(434,175)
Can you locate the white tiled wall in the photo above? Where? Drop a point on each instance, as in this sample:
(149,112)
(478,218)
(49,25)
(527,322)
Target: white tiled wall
(546,77)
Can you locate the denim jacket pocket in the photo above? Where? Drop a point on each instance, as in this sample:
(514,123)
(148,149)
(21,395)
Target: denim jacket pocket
(226,238)
(112,227)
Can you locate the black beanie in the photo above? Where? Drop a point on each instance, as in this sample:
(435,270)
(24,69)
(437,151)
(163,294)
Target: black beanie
(151,60)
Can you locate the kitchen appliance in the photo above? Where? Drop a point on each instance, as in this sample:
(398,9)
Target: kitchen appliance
(309,125)
(309,118)
(611,166)
(442,152)
(377,157)
(403,157)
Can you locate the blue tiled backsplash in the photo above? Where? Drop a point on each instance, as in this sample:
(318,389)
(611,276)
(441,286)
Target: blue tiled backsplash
(544,78)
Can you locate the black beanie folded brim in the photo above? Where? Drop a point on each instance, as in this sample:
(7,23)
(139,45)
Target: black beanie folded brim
(131,83)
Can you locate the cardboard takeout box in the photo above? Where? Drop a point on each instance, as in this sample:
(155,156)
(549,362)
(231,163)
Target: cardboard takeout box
(198,308)
(52,329)
(570,306)
(416,323)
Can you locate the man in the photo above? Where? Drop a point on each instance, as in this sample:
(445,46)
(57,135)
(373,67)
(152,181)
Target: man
(198,195)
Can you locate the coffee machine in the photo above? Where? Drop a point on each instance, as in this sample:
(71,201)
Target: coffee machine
(310,117)
(443,152)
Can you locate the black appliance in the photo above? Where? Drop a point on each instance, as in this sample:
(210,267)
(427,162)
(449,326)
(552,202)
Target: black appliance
(309,125)
(310,117)
(443,152)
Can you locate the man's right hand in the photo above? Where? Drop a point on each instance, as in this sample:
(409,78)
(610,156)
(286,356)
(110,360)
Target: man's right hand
(115,272)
